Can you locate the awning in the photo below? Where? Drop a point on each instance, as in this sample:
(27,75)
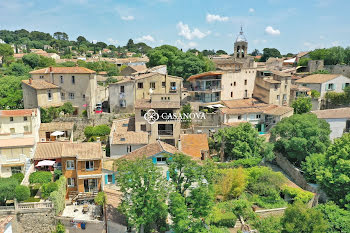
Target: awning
(215,106)
(57,133)
(45,163)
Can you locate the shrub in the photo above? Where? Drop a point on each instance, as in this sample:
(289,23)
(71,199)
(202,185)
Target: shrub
(67,108)
(84,113)
(270,224)
(231,183)
(58,197)
(60,228)
(251,162)
(101,130)
(18,176)
(40,177)
(22,193)
(32,199)
(298,194)
(57,174)
(89,131)
(48,188)
(100,199)
(222,216)
(7,189)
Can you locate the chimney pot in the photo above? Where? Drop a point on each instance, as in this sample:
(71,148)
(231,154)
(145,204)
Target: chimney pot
(50,69)
(30,81)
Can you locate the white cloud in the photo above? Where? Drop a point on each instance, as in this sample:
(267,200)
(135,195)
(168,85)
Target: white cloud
(185,31)
(271,31)
(127,18)
(183,45)
(212,18)
(335,43)
(148,38)
(251,10)
(111,41)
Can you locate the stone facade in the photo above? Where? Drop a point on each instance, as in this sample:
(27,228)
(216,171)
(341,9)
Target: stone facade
(41,222)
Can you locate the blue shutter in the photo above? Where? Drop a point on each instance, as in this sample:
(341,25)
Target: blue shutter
(106,179)
(167,175)
(113,178)
(170,158)
(154,160)
(326,86)
(334,86)
(343,86)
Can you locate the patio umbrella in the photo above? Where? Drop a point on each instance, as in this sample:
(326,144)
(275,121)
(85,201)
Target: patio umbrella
(57,133)
(45,163)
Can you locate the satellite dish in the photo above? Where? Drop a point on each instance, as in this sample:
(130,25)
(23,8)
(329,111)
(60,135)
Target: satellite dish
(151,91)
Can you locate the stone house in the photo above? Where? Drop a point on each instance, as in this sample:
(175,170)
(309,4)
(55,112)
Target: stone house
(338,120)
(129,70)
(273,87)
(53,86)
(81,164)
(263,116)
(47,129)
(124,94)
(18,137)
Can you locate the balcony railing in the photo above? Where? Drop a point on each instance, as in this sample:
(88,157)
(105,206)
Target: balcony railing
(165,132)
(210,89)
(206,100)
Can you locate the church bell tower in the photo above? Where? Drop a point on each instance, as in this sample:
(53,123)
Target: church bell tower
(240,46)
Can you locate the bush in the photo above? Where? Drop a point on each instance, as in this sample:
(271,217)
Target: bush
(84,113)
(48,188)
(270,224)
(230,183)
(58,197)
(60,228)
(298,194)
(32,199)
(101,130)
(222,216)
(246,163)
(18,176)
(67,108)
(100,199)
(89,131)
(57,174)
(7,189)
(40,177)
(22,193)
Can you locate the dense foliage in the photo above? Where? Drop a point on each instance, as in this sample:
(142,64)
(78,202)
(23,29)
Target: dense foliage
(230,183)
(48,188)
(18,176)
(302,105)
(332,56)
(11,92)
(312,164)
(100,199)
(40,177)
(338,219)
(58,197)
(270,52)
(179,63)
(22,193)
(7,189)
(299,136)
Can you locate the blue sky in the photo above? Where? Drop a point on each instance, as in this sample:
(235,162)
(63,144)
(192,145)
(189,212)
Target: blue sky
(289,26)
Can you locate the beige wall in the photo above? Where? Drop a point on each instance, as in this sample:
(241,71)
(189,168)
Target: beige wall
(238,91)
(43,100)
(30,99)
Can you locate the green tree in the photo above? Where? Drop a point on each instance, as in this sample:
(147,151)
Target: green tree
(31,60)
(299,136)
(335,175)
(60,228)
(22,192)
(11,96)
(304,61)
(67,108)
(100,199)
(145,194)
(220,52)
(312,164)
(5,51)
(302,105)
(270,224)
(242,141)
(298,218)
(270,52)
(315,94)
(230,183)
(338,219)
(18,176)
(255,52)
(18,69)
(186,110)
(7,189)
(48,188)
(179,212)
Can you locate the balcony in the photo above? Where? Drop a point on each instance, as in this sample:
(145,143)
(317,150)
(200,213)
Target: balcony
(205,89)
(173,89)
(206,99)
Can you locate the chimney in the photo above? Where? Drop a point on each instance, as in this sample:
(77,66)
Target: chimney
(50,69)
(30,81)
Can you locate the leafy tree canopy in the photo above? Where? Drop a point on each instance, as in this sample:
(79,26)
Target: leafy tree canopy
(302,105)
(270,52)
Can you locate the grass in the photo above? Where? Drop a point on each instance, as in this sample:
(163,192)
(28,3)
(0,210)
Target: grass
(267,202)
(32,199)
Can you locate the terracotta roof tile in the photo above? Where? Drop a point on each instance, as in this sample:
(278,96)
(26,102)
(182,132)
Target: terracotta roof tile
(53,126)
(18,112)
(193,144)
(82,151)
(17,142)
(63,70)
(318,78)
(40,84)
(123,132)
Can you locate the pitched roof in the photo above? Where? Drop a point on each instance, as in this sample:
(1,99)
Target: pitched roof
(280,73)
(299,88)
(139,68)
(82,150)
(63,70)
(53,126)
(17,112)
(337,113)
(17,142)
(40,84)
(123,132)
(209,73)
(144,104)
(318,78)
(151,150)
(301,54)
(193,144)
(243,103)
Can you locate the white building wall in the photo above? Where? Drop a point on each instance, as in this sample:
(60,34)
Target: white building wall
(337,127)
(118,150)
(338,82)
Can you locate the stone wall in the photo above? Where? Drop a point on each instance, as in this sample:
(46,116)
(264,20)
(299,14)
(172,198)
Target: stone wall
(338,69)
(271,212)
(42,222)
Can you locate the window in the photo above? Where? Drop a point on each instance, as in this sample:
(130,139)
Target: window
(231,94)
(140,85)
(83,96)
(284,97)
(109,179)
(41,76)
(285,87)
(61,79)
(12,130)
(143,127)
(231,84)
(26,129)
(246,94)
(245,82)
(239,117)
(173,86)
(128,148)
(258,116)
(11,118)
(25,118)
(71,96)
(152,85)
(70,182)
(16,169)
(234,83)
(143,112)
(163,84)
(161,159)
(73,79)
(278,97)
(89,165)
(276,86)
(70,165)
(330,87)
(122,89)
(62,96)
(49,95)
(346,85)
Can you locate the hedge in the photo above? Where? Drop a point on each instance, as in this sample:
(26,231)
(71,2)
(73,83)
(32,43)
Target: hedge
(48,188)
(58,197)
(99,130)
(298,194)
(22,193)
(40,177)
(18,176)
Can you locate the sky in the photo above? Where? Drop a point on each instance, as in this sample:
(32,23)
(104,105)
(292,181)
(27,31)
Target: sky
(289,26)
